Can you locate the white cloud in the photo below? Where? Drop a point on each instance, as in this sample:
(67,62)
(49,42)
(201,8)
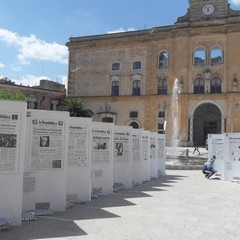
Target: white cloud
(31,80)
(2,65)
(16,68)
(64,80)
(235,2)
(121,30)
(31,47)
(28,80)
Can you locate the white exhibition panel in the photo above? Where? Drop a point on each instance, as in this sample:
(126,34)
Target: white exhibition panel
(154,155)
(122,157)
(232,156)
(161,155)
(45,176)
(215,147)
(146,156)
(137,157)
(79,159)
(12,145)
(102,158)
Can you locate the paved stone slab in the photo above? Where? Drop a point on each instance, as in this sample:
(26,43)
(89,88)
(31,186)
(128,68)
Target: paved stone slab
(182,205)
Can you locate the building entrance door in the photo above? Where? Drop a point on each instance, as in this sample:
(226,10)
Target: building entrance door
(210,127)
(206,120)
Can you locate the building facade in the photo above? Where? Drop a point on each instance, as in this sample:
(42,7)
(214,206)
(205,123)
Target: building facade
(181,80)
(47,96)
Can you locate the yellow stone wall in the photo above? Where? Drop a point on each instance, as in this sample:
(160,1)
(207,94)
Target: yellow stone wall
(90,74)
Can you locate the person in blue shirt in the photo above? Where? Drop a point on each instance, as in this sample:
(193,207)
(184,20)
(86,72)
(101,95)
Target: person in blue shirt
(208,169)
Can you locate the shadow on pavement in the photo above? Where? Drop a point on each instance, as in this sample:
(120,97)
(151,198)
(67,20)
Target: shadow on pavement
(62,224)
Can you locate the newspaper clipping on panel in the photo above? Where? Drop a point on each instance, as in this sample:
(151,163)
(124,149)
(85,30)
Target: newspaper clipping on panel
(78,146)
(101,145)
(122,144)
(145,142)
(136,139)
(9,135)
(47,145)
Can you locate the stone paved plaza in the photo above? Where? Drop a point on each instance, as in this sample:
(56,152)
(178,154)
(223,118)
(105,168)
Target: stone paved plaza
(182,205)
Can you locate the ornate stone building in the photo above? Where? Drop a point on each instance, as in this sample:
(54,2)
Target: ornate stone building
(181,80)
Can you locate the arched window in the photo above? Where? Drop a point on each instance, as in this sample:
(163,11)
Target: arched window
(216,85)
(115,88)
(199,57)
(134,124)
(136,88)
(137,65)
(216,56)
(199,85)
(163,59)
(162,86)
(116,66)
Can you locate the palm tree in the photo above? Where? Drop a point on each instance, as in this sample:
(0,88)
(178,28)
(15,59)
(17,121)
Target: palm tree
(76,107)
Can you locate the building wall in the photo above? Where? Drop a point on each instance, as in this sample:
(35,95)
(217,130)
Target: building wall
(40,97)
(90,74)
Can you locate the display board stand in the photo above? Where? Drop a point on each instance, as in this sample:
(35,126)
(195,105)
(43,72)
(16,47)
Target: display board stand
(137,157)
(215,147)
(102,158)
(45,175)
(122,157)
(79,159)
(154,154)
(232,156)
(146,155)
(161,155)
(12,145)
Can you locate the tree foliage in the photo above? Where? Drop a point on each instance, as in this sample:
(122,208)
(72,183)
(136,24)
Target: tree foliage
(8,95)
(5,80)
(76,107)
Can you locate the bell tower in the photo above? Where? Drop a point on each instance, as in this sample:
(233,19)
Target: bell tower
(209,12)
(207,9)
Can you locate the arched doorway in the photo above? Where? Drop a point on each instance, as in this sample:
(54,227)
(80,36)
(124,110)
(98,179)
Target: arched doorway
(207,119)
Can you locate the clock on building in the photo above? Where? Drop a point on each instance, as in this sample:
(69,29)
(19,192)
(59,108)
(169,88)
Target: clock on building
(208,9)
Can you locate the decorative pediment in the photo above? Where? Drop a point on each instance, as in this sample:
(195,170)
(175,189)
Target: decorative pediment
(216,75)
(115,77)
(207,74)
(199,76)
(162,76)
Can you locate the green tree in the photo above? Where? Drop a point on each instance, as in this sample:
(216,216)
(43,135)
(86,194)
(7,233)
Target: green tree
(76,107)
(7,95)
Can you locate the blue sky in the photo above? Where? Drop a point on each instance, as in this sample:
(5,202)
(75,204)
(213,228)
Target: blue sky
(33,33)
